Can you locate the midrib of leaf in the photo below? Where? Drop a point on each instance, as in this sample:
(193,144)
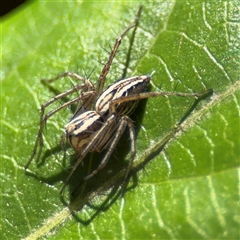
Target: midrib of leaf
(50,224)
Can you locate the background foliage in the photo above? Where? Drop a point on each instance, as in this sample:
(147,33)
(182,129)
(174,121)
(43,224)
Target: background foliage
(189,190)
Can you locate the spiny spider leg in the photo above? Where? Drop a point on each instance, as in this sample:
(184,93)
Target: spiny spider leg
(123,123)
(44,118)
(106,68)
(87,86)
(111,124)
(70,102)
(100,134)
(120,128)
(68,74)
(128,56)
(138,96)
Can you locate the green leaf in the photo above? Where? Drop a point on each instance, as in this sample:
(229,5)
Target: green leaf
(188,190)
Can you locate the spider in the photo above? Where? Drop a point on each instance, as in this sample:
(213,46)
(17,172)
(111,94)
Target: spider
(102,114)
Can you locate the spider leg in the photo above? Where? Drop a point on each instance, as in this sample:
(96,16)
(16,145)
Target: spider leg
(106,68)
(128,60)
(67,74)
(123,123)
(87,86)
(197,96)
(44,118)
(93,145)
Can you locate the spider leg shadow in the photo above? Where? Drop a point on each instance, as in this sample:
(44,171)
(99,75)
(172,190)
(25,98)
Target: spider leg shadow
(48,156)
(99,201)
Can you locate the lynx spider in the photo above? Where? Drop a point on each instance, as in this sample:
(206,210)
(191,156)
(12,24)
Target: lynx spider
(101,128)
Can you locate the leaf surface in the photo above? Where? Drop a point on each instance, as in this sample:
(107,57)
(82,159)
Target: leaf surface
(188,190)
